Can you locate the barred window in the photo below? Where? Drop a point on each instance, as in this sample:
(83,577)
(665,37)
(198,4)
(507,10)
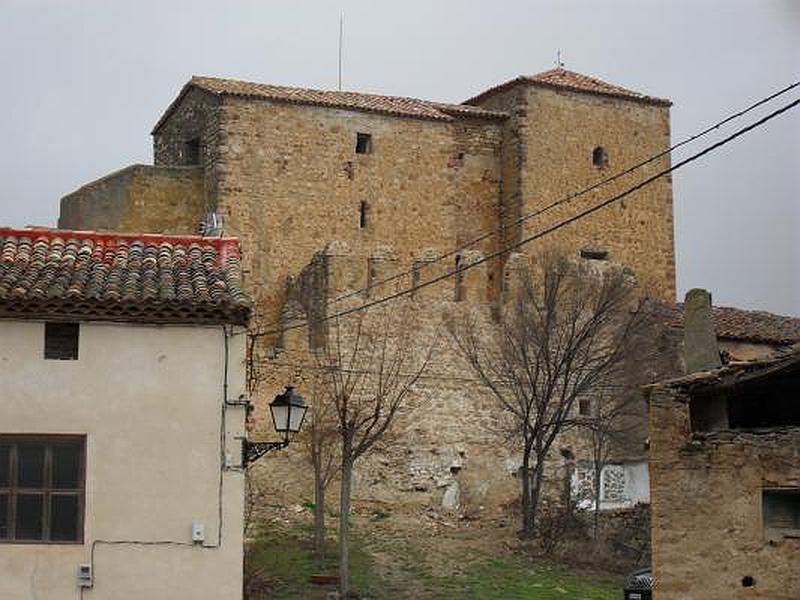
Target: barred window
(42,488)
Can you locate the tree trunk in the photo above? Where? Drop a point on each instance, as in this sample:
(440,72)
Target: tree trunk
(319,512)
(527,512)
(536,489)
(344,525)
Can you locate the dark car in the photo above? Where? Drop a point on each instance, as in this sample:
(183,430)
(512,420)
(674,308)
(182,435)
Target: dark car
(639,585)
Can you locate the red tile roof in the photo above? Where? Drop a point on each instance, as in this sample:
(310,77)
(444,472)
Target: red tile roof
(84,275)
(572,81)
(747,325)
(389,105)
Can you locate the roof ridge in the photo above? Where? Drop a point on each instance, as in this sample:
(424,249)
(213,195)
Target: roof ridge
(561,78)
(403,106)
(198,78)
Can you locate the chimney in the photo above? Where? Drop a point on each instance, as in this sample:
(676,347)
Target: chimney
(700,351)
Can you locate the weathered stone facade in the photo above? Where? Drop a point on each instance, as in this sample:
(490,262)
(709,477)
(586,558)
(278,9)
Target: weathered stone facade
(138,198)
(721,443)
(284,171)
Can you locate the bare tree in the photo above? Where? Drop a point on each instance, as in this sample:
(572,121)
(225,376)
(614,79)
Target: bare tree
(564,333)
(321,444)
(368,371)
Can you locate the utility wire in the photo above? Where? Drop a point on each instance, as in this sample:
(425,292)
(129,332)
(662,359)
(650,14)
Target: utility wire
(544,232)
(567,198)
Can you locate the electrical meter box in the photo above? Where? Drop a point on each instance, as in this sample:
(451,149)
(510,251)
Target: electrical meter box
(85,579)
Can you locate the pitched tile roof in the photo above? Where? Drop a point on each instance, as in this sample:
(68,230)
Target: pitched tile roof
(570,80)
(747,325)
(83,275)
(389,105)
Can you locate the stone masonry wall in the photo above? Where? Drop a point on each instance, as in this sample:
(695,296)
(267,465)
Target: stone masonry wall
(195,117)
(552,136)
(707,532)
(562,130)
(290,181)
(448,443)
(138,198)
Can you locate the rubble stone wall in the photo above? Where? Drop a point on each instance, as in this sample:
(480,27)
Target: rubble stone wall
(707,532)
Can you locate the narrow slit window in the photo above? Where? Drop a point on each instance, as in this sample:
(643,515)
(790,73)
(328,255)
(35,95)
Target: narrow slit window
(362,215)
(363,143)
(61,341)
(599,157)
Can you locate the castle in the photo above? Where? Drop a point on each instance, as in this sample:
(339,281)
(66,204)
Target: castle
(288,170)
(380,185)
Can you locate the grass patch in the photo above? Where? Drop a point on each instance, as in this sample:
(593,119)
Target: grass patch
(395,569)
(512,577)
(287,560)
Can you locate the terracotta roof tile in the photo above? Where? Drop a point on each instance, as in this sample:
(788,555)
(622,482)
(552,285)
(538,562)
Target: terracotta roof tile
(390,105)
(85,275)
(747,325)
(572,81)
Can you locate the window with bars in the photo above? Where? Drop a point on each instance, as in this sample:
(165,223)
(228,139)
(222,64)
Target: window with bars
(42,488)
(781,511)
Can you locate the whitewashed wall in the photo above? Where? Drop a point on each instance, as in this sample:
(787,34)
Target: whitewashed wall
(150,401)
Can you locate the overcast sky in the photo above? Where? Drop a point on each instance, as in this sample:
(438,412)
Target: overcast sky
(84,82)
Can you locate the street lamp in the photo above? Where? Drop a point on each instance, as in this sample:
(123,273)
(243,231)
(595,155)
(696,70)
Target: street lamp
(288,412)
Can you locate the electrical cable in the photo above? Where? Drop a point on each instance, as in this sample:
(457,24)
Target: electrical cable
(546,231)
(571,196)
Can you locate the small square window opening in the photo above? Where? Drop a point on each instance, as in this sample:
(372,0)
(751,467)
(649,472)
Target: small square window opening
(191,152)
(61,341)
(584,407)
(599,157)
(781,512)
(363,143)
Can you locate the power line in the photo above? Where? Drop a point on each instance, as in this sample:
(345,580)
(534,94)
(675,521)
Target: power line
(544,232)
(567,198)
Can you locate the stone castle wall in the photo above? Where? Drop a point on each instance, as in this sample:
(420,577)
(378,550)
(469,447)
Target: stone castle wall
(550,156)
(290,181)
(449,441)
(138,198)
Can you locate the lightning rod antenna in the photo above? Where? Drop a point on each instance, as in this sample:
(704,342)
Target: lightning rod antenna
(341,31)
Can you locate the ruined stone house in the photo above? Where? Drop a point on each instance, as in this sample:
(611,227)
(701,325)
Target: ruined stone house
(380,185)
(725,482)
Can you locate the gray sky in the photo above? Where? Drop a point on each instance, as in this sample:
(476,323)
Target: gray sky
(84,82)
